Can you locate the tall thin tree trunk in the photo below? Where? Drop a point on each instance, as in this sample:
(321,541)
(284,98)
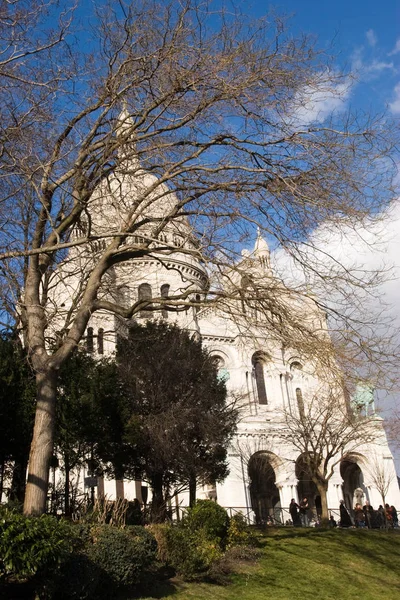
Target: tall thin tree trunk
(66,486)
(2,467)
(323,490)
(42,444)
(157,500)
(192,490)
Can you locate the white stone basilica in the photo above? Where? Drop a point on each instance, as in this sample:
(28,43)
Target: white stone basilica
(265,472)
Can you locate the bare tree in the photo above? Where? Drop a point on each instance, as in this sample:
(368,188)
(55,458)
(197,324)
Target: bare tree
(324,430)
(393,428)
(212,140)
(381,474)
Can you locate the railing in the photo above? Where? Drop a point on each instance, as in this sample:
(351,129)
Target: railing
(275,516)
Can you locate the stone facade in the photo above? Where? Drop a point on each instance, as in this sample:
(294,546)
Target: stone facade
(264,470)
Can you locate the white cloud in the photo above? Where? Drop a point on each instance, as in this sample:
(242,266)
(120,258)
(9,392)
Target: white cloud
(373,247)
(363,249)
(315,104)
(371,37)
(368,70)
(395,105)
(396,48)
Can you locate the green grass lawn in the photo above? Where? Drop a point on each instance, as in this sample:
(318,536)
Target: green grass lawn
(307,564)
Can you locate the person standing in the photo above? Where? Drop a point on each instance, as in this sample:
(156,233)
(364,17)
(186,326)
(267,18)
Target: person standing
(389,516)
(395,518)
(294,512)
(345,519)
(368,514)
(304,507)
(381,517)
(359,516)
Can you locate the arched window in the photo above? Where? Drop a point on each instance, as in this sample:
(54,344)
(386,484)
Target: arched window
(164,294)
(300,401)
(295,367)
(100,341)
(144,293)
(258,374)
(89,339)
(223,373)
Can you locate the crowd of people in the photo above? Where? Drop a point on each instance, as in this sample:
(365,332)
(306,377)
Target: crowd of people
(363,516)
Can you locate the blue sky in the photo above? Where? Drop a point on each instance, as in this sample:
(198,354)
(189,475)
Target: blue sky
(361,34)
(364,36)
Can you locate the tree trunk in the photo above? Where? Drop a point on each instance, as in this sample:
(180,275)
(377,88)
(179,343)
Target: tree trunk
(192,491)
(66,486)
(42,444)
(323,490)
(2,467)
(157,501)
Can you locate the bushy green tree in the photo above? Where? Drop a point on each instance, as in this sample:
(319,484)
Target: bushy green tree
(180,423)
(90,417)
(17,405)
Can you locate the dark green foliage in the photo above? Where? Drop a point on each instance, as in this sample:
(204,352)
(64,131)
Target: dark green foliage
(90,416)
(145,542)
(180,424)
(121,555)
(33,546)
(190,553)
(110,559)
(17,406)
(194,545)
(210,518)
(78,579)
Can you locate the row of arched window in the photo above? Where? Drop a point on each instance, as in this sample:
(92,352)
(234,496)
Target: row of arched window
(145,293)
(258,361)
(90,337)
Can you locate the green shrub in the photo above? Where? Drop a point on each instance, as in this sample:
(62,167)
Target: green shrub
(210,518)
(110,558)
(145,541)
(190,553)
(77,579)
(123,555)
(238,534)
(32,546)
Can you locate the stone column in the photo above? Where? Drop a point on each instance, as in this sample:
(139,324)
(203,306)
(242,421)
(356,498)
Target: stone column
(287,491)
(119,488)
(100,487)
(234,493)
(138,491)
(335,493)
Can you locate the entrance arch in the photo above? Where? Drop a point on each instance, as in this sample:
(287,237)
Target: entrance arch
(353,487)
(306,488)
(264,494)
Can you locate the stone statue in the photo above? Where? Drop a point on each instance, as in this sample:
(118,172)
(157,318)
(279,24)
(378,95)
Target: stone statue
(358,497)
(363,400)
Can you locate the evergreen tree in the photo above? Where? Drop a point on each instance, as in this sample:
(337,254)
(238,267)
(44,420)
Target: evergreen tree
(180,424)
(17,406)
